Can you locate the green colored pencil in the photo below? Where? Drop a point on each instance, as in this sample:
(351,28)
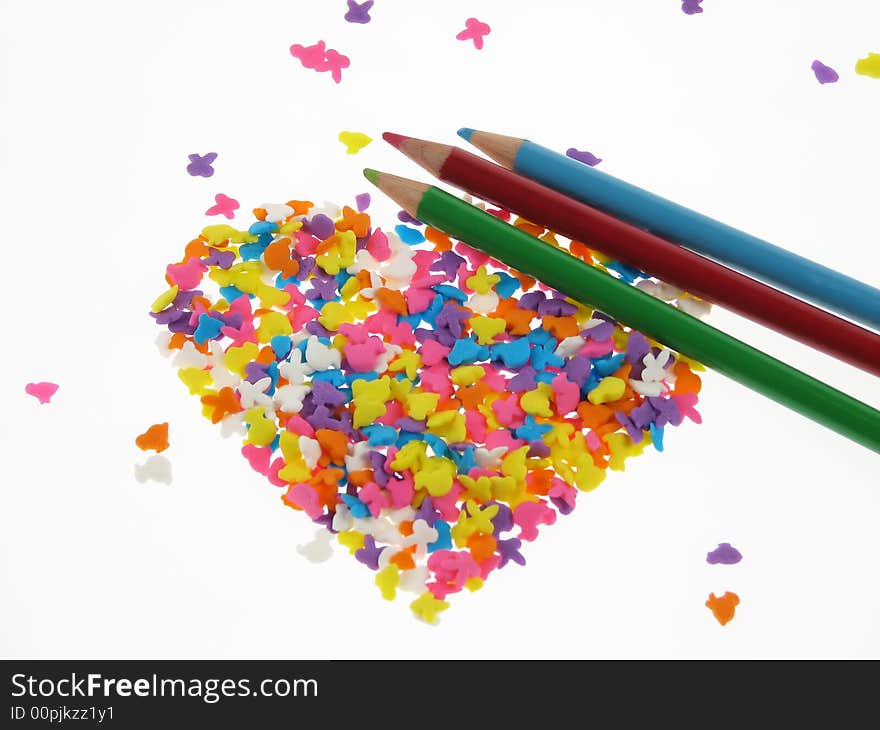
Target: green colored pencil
(676,329)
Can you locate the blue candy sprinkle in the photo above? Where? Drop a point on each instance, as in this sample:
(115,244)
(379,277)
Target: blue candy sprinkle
(466,350)
(656,436)
(252,251)
(513,354)
(437,444)
(410,236)
(261,227)
(207,329)
(531,430)
(450,292)
(444,537)
(356,506)
(607,365)
(380,435)
(281,345)
(507,286)
(334,377)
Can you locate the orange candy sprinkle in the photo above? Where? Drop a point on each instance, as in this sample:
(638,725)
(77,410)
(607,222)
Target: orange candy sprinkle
(723,607)
(154,438)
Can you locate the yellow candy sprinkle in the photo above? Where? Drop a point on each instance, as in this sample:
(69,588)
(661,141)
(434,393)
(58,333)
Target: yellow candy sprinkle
(262,430)
(419,405)
(622,447)
(869,66)
(506,489)
(295,469)
(475,520)
(481,282)
(514,464)
(467,374)
(400,389)
(221,234)
(367,412)
(387,580)
(350,288)
(352,540)
(609,389)
(354,141)
(340,255)
(332,315)
(290,227)
(479,488)
(236,358)
(487,328)
(379,390)
(589,476)
(408,361)
(411,456)
(426,607)
(197,380)
(164,299)
(537,402)
(473,583)
(273,324)
(271,297)
(436,475)
(448,424)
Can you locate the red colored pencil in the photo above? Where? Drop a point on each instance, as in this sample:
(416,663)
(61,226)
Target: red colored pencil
(700,276)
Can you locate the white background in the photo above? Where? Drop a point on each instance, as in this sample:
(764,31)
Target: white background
(102,101)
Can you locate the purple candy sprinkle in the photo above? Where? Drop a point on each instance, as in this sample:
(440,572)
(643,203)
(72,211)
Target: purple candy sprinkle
(599,332)
(824,74)
(725,554)
(531,300)
(405,217)
(503,520)
(634,432)
(509,550)
(523,381)
(254,371)
(564,507)
(427,512)
(314,327)
(362,202)
(588,158)
(538,450)
(637,346)
(223,259)
(643,415)
(320,226)
(577,369)
(358,12)
(449,263)
(691,7)
(326,394)
(667,411)
(200,165)
(556,308)
(410,424)
(369,553)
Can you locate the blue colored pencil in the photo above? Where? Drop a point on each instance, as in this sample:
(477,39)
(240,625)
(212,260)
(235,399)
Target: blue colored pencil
(772,264)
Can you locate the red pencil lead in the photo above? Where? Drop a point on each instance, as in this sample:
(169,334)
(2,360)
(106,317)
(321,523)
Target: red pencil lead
(395,140)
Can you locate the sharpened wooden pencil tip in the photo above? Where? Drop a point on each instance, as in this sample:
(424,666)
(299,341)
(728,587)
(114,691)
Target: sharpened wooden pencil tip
(498,147)
(465,133)
(394,139)
(406,193)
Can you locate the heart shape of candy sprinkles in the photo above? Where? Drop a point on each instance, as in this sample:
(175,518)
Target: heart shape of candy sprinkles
(416,399)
